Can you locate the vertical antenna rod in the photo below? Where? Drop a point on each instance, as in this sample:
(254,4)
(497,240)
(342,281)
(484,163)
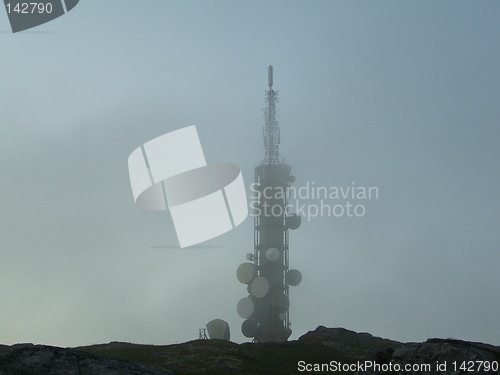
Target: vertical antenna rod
(271,128)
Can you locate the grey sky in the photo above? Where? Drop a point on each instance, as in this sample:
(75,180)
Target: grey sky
(398,95)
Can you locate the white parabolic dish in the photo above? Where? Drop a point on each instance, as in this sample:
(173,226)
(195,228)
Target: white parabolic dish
(259,287)
(245,308)
(245,272)
(272,254)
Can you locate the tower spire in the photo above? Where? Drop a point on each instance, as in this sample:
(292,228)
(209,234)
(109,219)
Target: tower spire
(271,127)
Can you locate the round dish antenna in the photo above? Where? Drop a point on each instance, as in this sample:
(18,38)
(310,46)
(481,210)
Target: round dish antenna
(272,254)
(249,328)
(293,277)
(293,221)
(246,273)
(259,287)
(245,308)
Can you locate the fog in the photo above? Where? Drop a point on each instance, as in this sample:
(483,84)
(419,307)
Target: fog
(397,96)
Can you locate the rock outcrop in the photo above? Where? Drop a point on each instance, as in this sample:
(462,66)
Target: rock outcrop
(438,356)
(342,340)
(29,359)
(315,351)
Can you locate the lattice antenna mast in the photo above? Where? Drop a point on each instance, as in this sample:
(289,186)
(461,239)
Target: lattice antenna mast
(268,277)
(271,127)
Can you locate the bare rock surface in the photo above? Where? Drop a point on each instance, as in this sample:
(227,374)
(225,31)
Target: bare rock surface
(441,356)
(319,348)
(27,359)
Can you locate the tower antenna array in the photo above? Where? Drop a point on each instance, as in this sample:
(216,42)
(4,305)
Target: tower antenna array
(267,275)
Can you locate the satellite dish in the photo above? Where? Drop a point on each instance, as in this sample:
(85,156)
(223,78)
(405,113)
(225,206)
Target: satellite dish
(259,287)
(293,277)
(262,310)
(293,221)
(245,308)
(249,256)
(272,254)
(249,328)
(282,316)
(245,272)
(218,329)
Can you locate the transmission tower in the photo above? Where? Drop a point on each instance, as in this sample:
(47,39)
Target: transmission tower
(267,274)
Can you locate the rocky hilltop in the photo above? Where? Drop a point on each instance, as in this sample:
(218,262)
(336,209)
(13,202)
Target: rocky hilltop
(27,359)
(334,350)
